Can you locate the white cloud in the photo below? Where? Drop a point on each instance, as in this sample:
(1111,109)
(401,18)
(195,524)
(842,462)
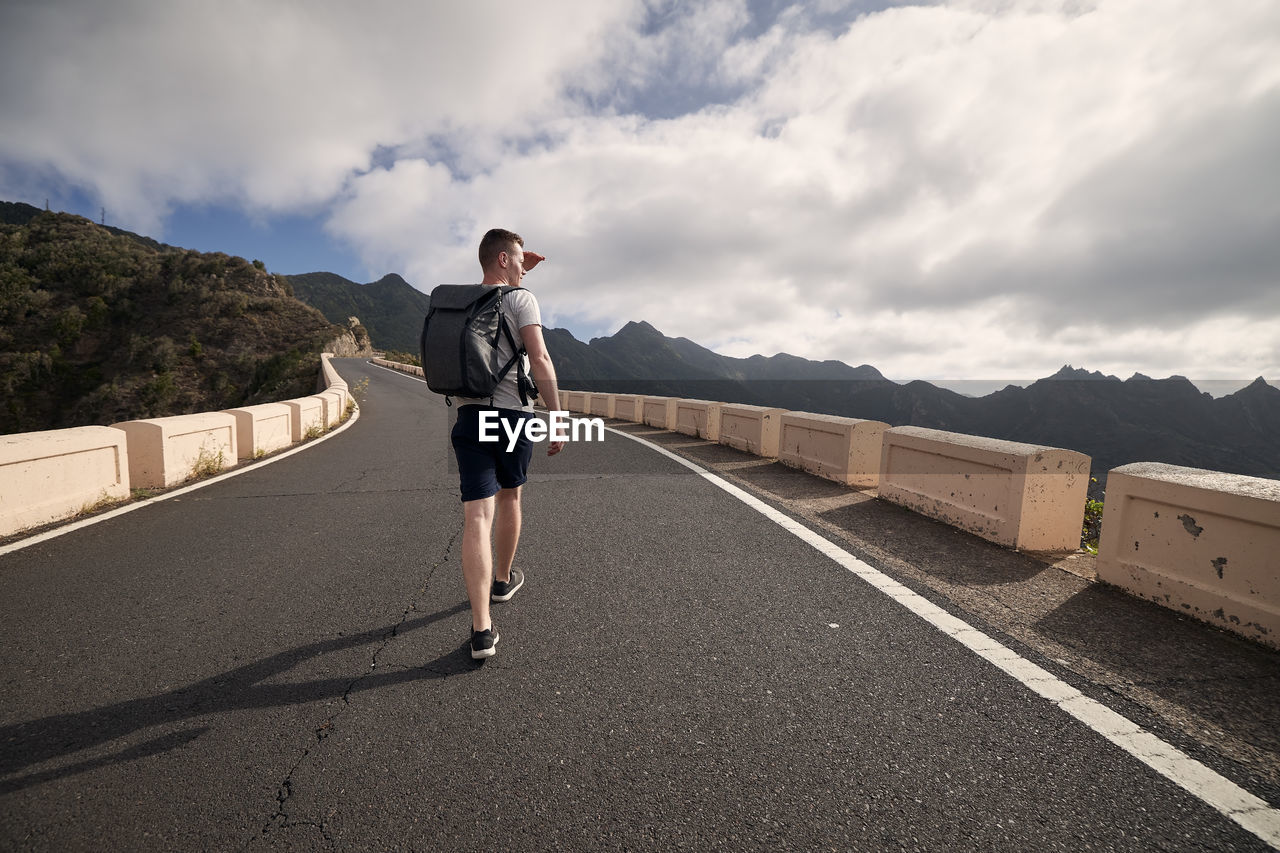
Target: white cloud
(972,188)
(270,105)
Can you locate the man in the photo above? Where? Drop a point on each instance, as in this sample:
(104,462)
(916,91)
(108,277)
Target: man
(491,475)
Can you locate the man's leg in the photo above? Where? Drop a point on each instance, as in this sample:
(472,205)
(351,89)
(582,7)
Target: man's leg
(508,530)
(477,558)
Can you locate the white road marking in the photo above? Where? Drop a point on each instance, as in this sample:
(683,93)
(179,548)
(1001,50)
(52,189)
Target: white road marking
(1251,812)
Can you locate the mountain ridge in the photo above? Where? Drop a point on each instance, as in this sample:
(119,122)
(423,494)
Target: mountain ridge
(61,310)
(1114,421)
(390,308)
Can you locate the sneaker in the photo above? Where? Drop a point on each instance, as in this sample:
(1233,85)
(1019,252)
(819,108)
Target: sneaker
(483,644)
(504,591)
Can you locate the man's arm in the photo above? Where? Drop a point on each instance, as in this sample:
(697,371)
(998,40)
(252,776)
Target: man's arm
(544,374)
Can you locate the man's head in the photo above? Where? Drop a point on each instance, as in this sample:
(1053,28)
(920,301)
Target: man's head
(502,257)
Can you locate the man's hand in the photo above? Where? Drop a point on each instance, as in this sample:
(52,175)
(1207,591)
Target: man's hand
(555,447)
(532,259)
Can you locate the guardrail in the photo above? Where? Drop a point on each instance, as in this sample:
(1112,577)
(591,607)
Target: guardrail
(755,429)
(1200,542)
(1029,497)
(52,475)
(846,450)
(1023,496)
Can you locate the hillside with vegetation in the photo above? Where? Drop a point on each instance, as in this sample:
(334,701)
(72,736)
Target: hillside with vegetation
(390,308)
(99,325)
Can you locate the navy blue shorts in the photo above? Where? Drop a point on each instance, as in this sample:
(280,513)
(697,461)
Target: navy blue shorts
(484,467)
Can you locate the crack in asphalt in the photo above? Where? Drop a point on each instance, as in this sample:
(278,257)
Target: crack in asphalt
(280,819)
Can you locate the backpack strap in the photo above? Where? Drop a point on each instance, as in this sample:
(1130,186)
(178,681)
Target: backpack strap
(517,346)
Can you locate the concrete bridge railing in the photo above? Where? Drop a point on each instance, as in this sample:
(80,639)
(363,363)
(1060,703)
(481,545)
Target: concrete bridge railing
(1200,542)
(56,474)
(1160,523)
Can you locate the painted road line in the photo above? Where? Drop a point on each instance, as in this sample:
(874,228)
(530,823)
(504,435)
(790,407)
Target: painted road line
(256,466)
(1249,811)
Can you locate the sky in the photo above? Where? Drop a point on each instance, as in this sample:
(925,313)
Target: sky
(957,190)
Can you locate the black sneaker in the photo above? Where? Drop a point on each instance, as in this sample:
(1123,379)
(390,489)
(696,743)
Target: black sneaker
(483,644)
(504,591)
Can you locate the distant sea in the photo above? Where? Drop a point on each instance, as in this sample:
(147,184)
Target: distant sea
(983,387)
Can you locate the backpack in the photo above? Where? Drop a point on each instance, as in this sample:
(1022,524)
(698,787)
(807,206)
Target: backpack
(459,343)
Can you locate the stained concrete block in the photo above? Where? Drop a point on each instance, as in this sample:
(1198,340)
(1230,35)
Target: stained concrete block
(1019,495)
(1198,542)
(659,412)
(755,429)
(846,450)
(262,429)
(166,451)
(698,417)
(51,475)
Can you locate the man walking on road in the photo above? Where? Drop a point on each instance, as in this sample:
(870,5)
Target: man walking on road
(492,473)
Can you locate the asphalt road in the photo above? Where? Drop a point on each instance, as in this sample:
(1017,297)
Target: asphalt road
(278,661)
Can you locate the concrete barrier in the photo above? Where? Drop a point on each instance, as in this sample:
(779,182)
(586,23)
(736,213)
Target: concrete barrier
(659,412)
(333,408)
(628,407)
(262,429)
(578,401)
(328,373)
(601,405)
(846,450)
(46,476)
(305,414)
(1022,496)
(564,401)
(410,369)
(51,475)
(1199,542)
(699,417)
(166,451)
(755,429)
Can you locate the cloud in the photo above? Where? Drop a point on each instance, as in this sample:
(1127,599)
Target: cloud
(981,187)
(272,106)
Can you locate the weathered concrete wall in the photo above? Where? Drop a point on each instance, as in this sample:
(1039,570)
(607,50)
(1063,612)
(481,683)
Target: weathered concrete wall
(262,429)
(660,412)
(628,407)
(602,405)
(333,408)
(698,417)
(166,451)
(304,414)
(579,401)
(411,370)
(45,476)
(846,450)
(755,429)
(1199,542)
(105,462)
(1020,495)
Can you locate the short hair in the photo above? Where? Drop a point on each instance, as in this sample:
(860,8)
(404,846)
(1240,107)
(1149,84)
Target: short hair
(496,241)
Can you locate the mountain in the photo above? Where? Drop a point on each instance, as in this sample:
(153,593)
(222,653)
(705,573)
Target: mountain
(640,359)
(390,308)
(99,325)
(1115,422)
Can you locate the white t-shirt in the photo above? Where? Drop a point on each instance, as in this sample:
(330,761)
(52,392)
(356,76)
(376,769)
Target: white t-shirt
(520,307)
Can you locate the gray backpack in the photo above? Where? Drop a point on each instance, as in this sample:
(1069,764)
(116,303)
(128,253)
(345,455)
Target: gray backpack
(459,343)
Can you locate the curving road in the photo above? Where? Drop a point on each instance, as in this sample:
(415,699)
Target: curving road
(278,661)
